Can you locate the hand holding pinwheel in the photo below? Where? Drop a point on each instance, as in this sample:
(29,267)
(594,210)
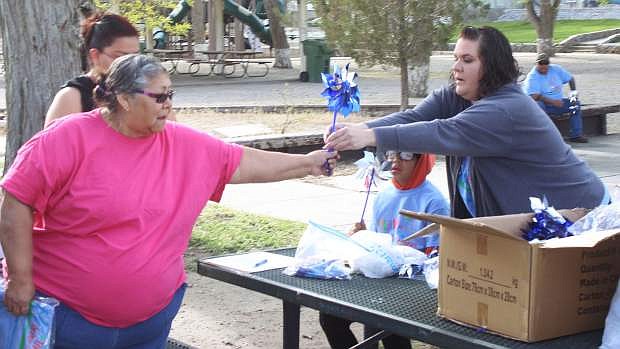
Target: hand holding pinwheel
(342,94)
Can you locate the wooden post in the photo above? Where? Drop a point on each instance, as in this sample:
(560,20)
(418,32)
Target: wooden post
(216,25)
(198,21)
(239,39)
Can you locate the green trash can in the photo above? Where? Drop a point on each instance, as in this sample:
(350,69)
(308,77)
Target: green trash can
(317,59)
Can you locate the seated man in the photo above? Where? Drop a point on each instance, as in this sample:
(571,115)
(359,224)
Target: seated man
(544,83)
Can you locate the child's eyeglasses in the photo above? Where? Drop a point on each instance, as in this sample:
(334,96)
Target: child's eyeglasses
(159,97)
(403,155)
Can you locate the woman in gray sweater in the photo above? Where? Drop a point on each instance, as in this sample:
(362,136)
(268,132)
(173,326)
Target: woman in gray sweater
(500,146)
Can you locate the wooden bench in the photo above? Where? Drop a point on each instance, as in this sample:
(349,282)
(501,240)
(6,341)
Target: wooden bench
(594,119)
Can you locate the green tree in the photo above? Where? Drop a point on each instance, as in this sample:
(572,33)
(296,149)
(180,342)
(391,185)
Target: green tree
(150,13)
(542,14)
(400,33)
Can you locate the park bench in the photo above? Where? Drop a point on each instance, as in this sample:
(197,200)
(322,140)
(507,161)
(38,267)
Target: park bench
(594,119)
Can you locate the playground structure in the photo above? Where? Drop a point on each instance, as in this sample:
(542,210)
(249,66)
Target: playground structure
(254,20)
(215,14)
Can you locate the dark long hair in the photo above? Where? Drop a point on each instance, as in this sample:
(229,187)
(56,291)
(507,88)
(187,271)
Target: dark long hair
(498,65)
(100,30)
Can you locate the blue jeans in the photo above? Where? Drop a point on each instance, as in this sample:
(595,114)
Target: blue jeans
(73,331)
(576,123)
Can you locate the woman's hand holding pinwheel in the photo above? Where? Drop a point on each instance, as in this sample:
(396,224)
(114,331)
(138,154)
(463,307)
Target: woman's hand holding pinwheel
(349,136)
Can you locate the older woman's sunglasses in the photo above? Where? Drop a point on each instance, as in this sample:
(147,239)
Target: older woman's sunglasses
(403,155)
(159,97)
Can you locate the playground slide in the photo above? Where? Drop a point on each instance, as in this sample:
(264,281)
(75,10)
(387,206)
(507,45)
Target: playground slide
(176,16)
(231,8)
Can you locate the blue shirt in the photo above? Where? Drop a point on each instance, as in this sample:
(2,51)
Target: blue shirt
(426,198)
(464,185)
(548,85)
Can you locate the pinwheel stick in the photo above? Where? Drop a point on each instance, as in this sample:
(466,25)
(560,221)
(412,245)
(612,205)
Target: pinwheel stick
(326,166)
(333,128)
(372,175)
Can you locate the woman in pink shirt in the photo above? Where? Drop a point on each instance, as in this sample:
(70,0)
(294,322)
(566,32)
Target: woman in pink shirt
(99,207)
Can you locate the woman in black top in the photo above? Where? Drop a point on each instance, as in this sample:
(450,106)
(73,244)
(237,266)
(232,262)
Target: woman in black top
(105,38)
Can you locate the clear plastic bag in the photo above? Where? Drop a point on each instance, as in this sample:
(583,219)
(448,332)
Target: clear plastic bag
(322,252)
(604,217)
(383,258)
(431,272)
(32,331)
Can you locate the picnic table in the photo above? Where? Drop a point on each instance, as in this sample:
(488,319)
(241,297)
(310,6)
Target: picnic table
(171,55)
(225,63)
(400,306)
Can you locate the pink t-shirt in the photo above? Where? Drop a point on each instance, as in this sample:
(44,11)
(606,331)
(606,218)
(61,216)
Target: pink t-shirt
(113,215)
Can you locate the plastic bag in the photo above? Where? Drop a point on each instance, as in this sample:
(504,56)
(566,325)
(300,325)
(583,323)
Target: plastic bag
(383,258)
(611,336)
(431,272)
(322,252)
(604,217)
(320,269)
(32,331)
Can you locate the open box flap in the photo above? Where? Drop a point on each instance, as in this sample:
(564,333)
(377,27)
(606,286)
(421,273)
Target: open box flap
(429,229)
(467,224)
(584,240)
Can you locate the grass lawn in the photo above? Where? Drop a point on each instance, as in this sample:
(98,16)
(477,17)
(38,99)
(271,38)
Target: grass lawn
(223,230)
(523,31)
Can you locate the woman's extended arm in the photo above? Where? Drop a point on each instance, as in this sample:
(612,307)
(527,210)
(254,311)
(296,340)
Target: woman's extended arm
(16,238)
(268,166)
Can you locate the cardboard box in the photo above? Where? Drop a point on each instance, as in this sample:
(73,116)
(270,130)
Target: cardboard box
(490,277)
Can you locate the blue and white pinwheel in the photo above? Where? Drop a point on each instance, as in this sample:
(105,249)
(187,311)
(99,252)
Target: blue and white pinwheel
(369,168)
(342,92)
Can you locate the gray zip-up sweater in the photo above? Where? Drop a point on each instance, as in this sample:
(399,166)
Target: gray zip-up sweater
(516,150)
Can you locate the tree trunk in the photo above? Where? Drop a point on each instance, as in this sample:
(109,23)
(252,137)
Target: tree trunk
(418,76)
(41,51)
(278,36)
(543,23)
(404,83)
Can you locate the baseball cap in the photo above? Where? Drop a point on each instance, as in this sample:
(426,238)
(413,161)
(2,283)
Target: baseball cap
(542,57)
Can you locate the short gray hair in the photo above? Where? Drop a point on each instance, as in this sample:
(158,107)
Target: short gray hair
(127,74)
